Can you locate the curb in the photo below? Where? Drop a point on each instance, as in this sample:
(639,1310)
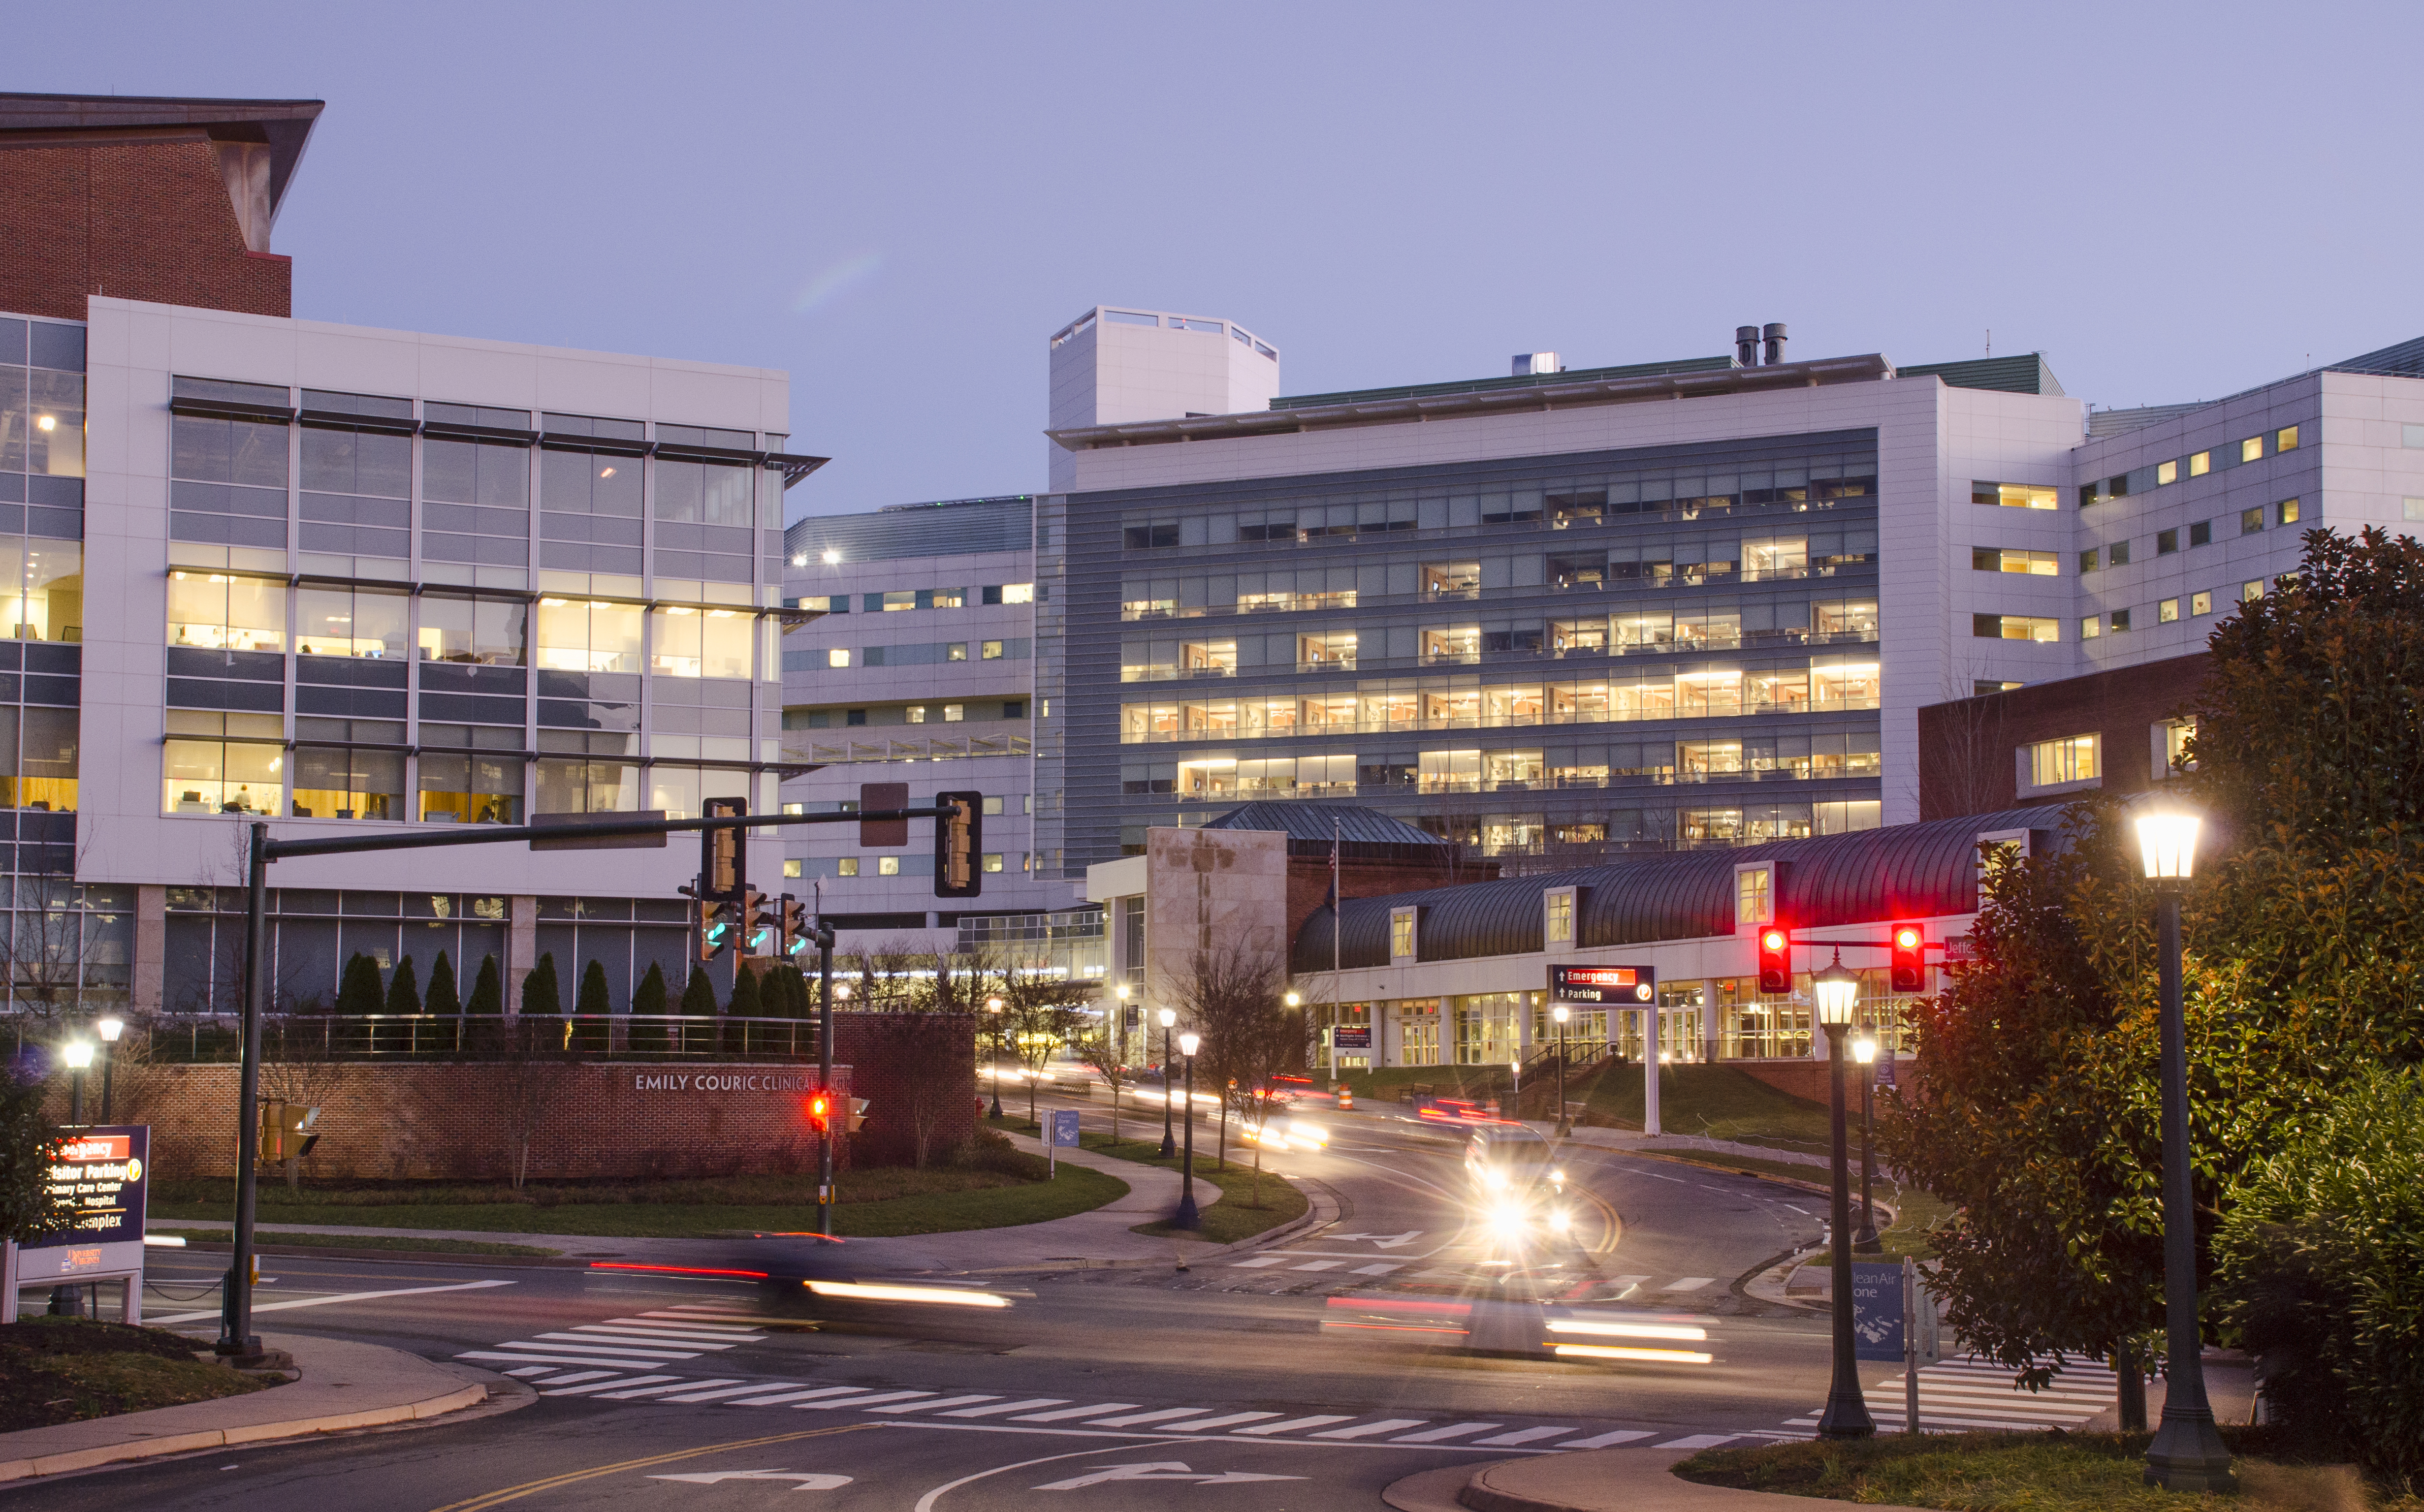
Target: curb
(401,1257)
(454,1401)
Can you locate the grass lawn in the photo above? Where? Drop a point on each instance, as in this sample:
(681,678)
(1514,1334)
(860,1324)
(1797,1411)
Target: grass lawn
(66,1370)
(1229,1216)
(364,1241)
(1003,1190)
(1719,1102)
(2022,1473)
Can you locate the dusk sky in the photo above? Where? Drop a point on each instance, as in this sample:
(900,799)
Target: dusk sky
(901,203)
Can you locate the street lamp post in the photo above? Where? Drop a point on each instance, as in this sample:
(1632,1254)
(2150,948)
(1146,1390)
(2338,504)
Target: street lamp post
(992,1005)
(2188,1452)
(1169,1146)
(111,1029)
(1187,1216)
(78,1055)
(1121,1054)
(1847,1413)
(1864,1053)
(1559,1014)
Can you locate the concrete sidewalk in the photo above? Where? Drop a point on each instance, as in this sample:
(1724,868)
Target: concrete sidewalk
(1598,1480)
(341,1385)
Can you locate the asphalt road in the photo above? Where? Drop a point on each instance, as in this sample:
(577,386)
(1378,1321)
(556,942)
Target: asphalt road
(1307,1376)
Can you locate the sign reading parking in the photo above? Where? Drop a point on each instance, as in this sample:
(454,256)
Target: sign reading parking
(1604,986)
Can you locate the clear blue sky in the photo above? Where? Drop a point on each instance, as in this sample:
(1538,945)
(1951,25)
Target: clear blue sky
(900,204)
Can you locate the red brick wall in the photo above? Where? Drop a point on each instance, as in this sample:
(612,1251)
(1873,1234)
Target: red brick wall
(1308,882)
(148,220)
(918,1075)
(1967,748)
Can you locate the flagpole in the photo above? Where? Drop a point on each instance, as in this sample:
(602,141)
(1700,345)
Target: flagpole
(1337,928)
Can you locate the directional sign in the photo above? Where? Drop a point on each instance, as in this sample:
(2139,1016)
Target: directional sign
(1160,1470)
(1609,986)
(808,1480)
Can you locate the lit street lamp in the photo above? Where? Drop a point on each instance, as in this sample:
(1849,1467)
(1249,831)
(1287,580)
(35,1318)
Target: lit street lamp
(111,1029)
(1864,1051)
(1169,1146)
(1188,1218)
(1565,1124)
(2187,1454)
(992,1005)
(78,1055)
(1847,1413)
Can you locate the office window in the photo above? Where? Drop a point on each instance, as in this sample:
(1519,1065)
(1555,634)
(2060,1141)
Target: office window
(887,865)
(2201,534)
(2087,559)
(2286,439)
(2412,508)
(482,631)
(2172,736)
(2055,763)
(2166,472)
(2090,627)
(956,651)
(2118,554)
(2167,611)
(943,598)
(2285,512)
(214,612)
(1993,559)
(2411,434)
(2200,603)
(2200,464)
(700,643)
(471,789)
(588,635)
(235,766)
(792,868)
(954,713)
(993,803)
(1753,903)
(991,861)
(576,786)
(2166,542)
(1018,592)
(1450,579)
(846,866)
(2250,592)
(355,622)
(2120,620)
(2014,628)
(2252,449)
(837,656)
(339,782)
(1401,934)
(2251,520)
(1557,916)
(990,651)
(2014,495)
(915,713)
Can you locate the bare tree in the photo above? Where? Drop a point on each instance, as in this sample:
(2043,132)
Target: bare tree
(939,1078)
(1232,998)
(1967,768)
(49,950)
(530,1083)
(304,1071)
(1100,1049)
(1042,1012)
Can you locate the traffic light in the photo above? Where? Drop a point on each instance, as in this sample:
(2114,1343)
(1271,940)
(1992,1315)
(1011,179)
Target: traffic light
(756,925)
(821,1105)
(795,935)
(723,854)
(857,1113)
(1909,958)
(717,920)
(1775,960)
(959,834)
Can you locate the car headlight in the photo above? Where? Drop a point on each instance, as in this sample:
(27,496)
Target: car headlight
(1560,1220)
(1557,1176)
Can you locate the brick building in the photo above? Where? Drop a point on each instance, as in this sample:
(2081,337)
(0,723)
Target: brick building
(2115,731)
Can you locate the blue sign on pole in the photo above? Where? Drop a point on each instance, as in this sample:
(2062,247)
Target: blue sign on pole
(1876,1310)
(1064,1127)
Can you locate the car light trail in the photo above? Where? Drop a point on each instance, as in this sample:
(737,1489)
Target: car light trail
(943,1295)
(1627,1330)
(1618,1351)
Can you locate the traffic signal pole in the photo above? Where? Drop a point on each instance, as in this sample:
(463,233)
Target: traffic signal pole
(236,1339)
(824,1077)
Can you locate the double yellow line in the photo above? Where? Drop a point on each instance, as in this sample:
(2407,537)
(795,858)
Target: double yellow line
(514,1493)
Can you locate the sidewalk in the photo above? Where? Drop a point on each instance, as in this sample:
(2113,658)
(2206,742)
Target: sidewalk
(341,1385)
(1598,1480)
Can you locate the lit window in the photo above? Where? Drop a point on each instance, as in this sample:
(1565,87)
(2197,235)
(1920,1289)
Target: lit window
(2090,627)
(1992,559)
(991,651)
(953,713)
(2252,449)
(2200,603)
(792,868)
(887,865)
(2055,763)
(2250,592)
(2014,628)
(2014,494)
(916,714)
(2285,512)
(2286,439)
(992,861)
(1018,592)
(1557,919)
(2251,520)
(1401,934)
(846,866)
(2412,508)
(1752,904)
(993,803)
(956,651)
(2166,472)
(838,657)
(2172,745)
(2168,611)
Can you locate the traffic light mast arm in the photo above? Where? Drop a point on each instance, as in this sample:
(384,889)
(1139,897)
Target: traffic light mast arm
(508,833)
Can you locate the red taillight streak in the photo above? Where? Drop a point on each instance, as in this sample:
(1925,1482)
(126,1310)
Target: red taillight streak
(676,1270)
(1393,1328)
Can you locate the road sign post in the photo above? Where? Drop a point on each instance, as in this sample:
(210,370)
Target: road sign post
(1612,988)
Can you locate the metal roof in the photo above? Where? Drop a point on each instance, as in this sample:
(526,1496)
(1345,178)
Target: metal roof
(1871,876)
(2403,361)
(75,120)
(1362,834)
(1527,380)
(2025,373)
(956,527)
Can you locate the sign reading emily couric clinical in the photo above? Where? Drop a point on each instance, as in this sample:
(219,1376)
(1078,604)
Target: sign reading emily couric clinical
(711,1083)
(1606,986)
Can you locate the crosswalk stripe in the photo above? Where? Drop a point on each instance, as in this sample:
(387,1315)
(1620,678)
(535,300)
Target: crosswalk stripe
(677,1386)
(1454,1430)
(636,1331)
(859,1401)
(1366,1430)
(1381,1270)
(705,1320)
(781,1397)
(645,1341)
(1319,1264)
(1292,1425)
(1626,1280)
(600,1386)
(1508,1441)
(532,1356)
(1067,1412)
(532,1370)
(1701,1441)
(1260,1261)
(556,1344)
(999,1408)
(566,1378)
(708,1331)
(1159,1415)
(722,1391)
(928,1407)
(1601,1440)
(1689,1284)
(1229,1419)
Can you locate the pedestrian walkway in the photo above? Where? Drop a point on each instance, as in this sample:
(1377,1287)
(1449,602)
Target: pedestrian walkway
(1968,1394)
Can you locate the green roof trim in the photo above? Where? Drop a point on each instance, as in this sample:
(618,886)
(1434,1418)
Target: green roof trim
(1535,380)
(2025,373)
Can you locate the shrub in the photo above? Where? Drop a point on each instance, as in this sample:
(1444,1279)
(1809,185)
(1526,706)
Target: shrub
(404,990)
(443,996)
(698,997)
(747,1002)
(541,998)
(2319,1271)
(359,992)
(488,991)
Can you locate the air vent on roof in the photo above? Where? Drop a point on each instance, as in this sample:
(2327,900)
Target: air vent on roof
(1774,334)
(1534,364)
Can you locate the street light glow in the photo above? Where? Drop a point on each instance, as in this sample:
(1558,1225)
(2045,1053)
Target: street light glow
(1865,1050)
(1294,998)
(111,1028)
(1559,1013)
(993,1005)
(1188,1042)
(2168,837)
(78,1054)
(833,558)
(1836,991)
(1169,1017)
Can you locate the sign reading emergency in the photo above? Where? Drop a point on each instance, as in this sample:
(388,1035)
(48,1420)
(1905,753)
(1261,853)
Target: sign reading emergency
(1606,986)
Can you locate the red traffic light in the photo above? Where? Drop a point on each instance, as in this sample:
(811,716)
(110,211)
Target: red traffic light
(1909,973)
(820,1110)
(1775,960)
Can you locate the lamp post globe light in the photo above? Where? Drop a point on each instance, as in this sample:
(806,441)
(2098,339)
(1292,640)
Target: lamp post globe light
(1187,1216)
(111,1027)
(2187,1454)
(992,1005)
(1836,992)
(78,1055)
(1169,1146)
(1559,1017)
(1864,1055)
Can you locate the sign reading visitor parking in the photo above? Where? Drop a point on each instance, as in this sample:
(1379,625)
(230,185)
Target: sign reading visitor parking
(100,1173)
(1604,986)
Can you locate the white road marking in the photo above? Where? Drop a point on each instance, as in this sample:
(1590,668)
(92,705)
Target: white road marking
(566,1378)
(1319,1264)
(928,1407)
(1365,1430)
(1074,1412)
(859,1401)
(1160,1415)
(1454,1430)
(722,1391)
(332,1301)
(1701,1441)
(780,1397)
(626,1344)
(528,1357)
(1689,1284)
(999,1408)
(1381,1270)
(600,1386)
(1229,1419)
(1601,1440)
(1292,1425)
(568,1344)
(1260,1261)
(1521,1436)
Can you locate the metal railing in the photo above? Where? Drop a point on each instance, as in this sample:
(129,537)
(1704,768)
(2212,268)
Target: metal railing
(294,1037)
